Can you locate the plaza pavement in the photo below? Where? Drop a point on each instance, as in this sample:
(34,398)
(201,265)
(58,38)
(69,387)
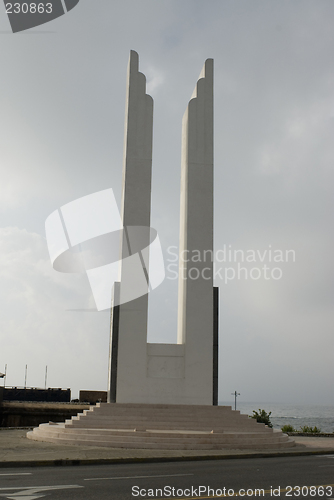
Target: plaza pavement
(18,451)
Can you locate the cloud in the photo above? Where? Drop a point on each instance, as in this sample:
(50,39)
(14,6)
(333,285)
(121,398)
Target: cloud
(155,79)
(36,325)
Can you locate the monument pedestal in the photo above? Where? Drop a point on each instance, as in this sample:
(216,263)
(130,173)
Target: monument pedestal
(163,427)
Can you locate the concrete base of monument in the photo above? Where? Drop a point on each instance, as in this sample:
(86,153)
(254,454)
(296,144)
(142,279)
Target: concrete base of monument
(164,427)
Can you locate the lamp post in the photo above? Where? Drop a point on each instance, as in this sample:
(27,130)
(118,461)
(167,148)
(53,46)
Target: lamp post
(235,394)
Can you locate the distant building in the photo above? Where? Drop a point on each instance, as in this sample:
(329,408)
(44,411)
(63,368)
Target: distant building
(34,394)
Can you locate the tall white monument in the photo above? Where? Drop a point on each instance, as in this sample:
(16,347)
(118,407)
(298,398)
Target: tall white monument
(166,395)
(181,373)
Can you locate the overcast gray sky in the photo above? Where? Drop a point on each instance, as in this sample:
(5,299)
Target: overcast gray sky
(62,122)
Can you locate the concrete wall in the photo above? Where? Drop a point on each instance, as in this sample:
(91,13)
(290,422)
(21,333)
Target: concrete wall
(21,414)
(34,394)
(93,397)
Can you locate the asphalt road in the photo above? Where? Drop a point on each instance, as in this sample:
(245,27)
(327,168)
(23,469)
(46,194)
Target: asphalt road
(131,481)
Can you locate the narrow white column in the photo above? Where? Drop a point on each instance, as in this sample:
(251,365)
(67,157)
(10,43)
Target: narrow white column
(136,208)
(195,309)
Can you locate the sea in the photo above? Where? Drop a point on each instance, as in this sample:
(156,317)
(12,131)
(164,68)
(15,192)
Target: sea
(289,414)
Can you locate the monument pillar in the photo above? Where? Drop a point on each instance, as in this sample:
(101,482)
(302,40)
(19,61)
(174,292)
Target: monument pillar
(195,308)
(136,212)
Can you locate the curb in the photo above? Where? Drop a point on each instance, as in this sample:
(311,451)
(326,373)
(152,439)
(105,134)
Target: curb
(311,434)
(16,428)
(109,461)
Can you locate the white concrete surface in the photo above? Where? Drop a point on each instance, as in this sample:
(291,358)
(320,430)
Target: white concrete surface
(195,308)
(136,211)
(155,373)
(165,427)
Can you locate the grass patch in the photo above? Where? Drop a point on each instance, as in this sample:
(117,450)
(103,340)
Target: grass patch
(288,428)
(310,430)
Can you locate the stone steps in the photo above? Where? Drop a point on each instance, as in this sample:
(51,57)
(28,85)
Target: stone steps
(172,433)
(174,417)
(190,410)
(152,442)
(163,427)
(173,422)
(164,416)
(60,429)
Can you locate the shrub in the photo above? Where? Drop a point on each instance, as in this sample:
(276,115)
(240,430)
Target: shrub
(310,430)
(288,428)
(263,417)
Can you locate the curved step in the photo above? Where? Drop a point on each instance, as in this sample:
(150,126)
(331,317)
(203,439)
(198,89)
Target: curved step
(89,441)
(164,427)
